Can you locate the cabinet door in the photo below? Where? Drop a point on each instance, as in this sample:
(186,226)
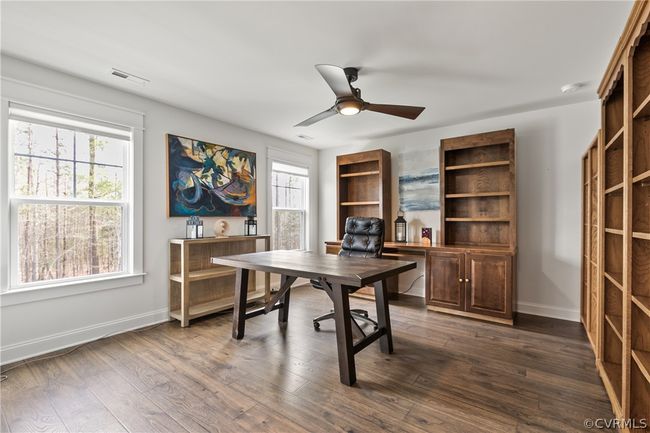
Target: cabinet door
(444,279)
(489,284)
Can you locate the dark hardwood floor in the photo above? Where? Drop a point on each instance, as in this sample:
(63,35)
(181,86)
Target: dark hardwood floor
(447,374)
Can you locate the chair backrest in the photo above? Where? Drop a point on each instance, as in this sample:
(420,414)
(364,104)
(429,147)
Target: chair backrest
(364,237)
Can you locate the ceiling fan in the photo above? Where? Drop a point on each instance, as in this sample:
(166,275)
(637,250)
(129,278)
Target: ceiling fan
(348,98)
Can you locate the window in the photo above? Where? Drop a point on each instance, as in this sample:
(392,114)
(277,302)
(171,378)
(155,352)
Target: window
(68,195)
(290,200)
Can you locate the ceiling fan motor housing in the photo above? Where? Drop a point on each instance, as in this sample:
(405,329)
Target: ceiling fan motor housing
(352,74)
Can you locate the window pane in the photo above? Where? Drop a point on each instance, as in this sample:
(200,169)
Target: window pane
(42,177)
(62,241)
(40,140)
(99,181)
(104,150)
(288,229)
(289,191)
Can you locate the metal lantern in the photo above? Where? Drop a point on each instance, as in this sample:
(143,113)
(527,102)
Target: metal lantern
(250,226)
(400,227)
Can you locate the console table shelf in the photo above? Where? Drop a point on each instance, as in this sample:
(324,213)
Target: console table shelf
(197,287)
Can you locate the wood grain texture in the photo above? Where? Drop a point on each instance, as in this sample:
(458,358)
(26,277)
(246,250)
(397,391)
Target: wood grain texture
(444,284)
(375,188)
(351,271)
(447,374)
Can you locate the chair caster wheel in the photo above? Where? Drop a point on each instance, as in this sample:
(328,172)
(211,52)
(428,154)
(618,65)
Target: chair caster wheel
(365,315)
(376,328)
(316,326)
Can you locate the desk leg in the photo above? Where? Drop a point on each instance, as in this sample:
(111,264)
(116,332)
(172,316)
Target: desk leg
(239,307)
(283,315)
(342,319)
(383,316)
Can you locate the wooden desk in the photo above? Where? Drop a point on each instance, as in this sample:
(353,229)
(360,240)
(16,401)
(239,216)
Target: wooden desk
(336,274)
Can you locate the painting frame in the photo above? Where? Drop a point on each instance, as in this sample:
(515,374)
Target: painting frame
(214,199)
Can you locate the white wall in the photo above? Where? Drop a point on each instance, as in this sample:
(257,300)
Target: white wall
(37,327)
(550,143)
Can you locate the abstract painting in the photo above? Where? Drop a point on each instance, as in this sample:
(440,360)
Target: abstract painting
(419,180)
(207,179)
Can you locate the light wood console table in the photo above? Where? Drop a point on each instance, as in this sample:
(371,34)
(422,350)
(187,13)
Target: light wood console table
(197,287)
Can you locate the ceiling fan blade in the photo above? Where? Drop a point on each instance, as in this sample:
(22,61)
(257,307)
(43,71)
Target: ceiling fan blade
(405,111)
(336,79)
(317,118)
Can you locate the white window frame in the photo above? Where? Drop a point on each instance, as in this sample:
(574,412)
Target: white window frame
(303,212)
(12,293)
(295,159)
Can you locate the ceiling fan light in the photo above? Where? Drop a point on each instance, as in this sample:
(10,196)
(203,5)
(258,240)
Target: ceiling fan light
(349,111)
(348,108)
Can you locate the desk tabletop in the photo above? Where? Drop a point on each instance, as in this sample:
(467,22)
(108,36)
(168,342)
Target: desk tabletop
(351,271)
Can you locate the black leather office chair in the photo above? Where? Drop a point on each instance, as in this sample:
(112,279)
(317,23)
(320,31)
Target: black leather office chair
(364,237)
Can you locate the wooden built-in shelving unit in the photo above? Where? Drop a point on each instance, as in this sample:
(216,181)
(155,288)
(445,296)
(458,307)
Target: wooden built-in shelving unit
(591,169)
(622,345)
(197,287)
(363,187)
(471,272)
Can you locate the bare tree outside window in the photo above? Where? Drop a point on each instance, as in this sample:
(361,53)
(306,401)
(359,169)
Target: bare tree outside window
(67,202)
(289,189)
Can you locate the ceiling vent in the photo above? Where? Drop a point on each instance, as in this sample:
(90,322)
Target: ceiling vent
(129,77)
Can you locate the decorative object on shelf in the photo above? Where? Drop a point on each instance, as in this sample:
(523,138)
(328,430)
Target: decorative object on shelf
(400,227)
(206,179)
(250,226)
(220,228)
(194,228)
(419,180)
(427,235)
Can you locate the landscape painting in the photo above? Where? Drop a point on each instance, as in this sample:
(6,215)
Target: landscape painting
(419,180)
(206,179)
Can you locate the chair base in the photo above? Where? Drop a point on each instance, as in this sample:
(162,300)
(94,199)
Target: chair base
(355,313)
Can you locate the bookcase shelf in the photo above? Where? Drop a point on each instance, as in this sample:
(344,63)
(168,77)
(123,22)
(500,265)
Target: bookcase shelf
(616,141)
(477,165)
(479,194)
(197,287)
(361,173)
(478,206)
(616,322)
(623,343)
(363,188)
(477,227)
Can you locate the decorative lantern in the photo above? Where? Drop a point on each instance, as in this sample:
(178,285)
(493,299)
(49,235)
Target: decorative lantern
(250,226)
(400,227)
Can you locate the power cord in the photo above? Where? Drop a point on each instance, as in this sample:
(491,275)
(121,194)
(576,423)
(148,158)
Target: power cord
(4,376)
(411,286)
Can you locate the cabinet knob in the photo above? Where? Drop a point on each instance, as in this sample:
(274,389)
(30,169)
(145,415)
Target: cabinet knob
(467,280)
(460,280)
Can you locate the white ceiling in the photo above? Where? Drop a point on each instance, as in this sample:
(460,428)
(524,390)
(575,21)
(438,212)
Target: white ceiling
(251,64)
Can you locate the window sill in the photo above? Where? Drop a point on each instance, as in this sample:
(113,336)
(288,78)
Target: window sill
(71,288)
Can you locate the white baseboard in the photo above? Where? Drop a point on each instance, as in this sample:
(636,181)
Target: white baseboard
(39,346)
(548,311)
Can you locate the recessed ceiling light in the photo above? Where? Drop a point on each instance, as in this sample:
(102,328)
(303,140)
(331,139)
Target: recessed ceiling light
(305,137)
(129,77)
(572,88)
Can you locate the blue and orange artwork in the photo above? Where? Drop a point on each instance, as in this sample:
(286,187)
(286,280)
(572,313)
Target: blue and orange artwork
(206,179)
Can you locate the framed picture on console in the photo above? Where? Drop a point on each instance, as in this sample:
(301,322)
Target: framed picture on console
(207,179)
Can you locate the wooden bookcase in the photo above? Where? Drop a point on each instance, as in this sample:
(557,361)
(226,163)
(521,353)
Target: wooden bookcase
(472,272)
(363,188)
(623,347)
(589,311)
(197,287)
